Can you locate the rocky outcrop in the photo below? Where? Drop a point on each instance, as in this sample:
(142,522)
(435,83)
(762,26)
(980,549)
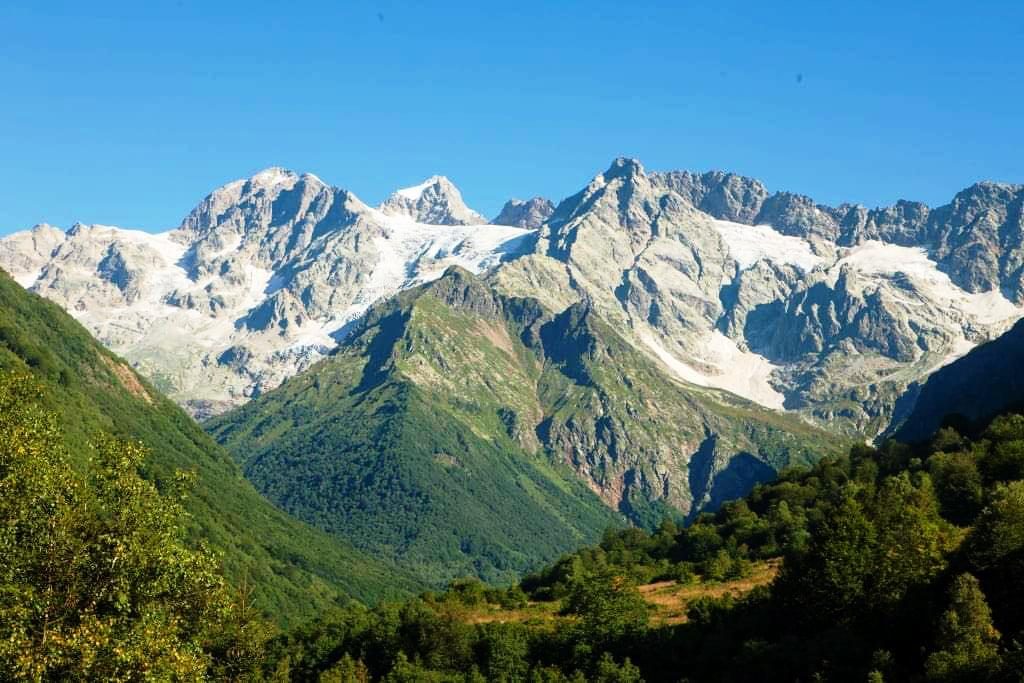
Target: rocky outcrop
(531,213)
(971,391)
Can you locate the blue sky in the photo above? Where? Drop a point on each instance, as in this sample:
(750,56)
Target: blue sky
(129,113)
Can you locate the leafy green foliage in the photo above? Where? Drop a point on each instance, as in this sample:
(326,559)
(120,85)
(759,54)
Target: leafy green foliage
(96,581)
(898,564)
(609,609)
(376,446)
(967,640)
(294,570)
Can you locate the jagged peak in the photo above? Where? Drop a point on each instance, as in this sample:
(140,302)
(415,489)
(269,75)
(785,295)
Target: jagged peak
(436,200)
(624,167)
(986,188)
(267,180)
(525,213)
(416,191)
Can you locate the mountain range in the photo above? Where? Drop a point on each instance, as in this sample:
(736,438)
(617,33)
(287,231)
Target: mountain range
(469,397)
(830,312)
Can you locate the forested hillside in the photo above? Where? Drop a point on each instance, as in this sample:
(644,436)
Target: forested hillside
(897,564)
(294,570)
(463,432)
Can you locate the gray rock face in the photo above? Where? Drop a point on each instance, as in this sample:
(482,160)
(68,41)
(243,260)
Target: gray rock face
(723,195)
(794,214)
(904,223)
(531,213)
(978,238)
(436,201)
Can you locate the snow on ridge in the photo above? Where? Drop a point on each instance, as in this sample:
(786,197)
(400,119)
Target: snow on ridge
(275,175)
(416,191)
(406,246)
(880,258)
(749,244)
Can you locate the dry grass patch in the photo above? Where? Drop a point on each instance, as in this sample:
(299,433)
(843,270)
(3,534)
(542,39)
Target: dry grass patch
(671,600)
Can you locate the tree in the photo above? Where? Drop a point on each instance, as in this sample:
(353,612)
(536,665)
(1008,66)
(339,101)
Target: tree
(910,537)
(610,610)
(967,641)
(827,581)
(999,529)
(608,671)
(347,670)
(96,581)
(503,650)
(958,485)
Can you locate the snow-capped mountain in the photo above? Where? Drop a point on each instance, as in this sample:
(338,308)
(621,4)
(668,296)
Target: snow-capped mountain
(255,284)
(435,201)
(828,311)
(763,297)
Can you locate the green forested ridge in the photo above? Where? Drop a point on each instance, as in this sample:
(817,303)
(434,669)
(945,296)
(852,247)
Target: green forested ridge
(899,564)
(444,433)
(295,570)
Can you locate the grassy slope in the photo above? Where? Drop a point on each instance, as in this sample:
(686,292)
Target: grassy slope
(437,433)
(294,568)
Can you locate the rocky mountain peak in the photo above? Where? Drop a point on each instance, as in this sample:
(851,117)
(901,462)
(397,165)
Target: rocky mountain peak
(623,167)
(435,201)
(530,214)
(726,196)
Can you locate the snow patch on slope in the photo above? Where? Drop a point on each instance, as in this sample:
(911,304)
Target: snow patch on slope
(749,244)
(413,253)
(27,279)
(740,372)
(878,258)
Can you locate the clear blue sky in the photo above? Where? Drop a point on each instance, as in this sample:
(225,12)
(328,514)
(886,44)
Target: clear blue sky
(128,113)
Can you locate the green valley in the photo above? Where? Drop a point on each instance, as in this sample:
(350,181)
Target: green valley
(461,432)
(294,570)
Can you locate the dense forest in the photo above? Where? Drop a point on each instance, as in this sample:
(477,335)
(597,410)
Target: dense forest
(898,563)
